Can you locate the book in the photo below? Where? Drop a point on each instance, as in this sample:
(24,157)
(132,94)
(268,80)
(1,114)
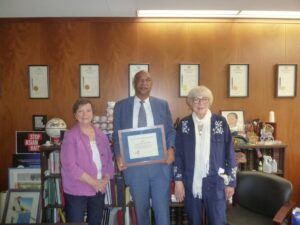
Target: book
(61,215)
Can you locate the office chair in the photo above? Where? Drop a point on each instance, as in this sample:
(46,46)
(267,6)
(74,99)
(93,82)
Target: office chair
(261,199)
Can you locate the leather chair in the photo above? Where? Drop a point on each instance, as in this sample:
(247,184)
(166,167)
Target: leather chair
(260,199)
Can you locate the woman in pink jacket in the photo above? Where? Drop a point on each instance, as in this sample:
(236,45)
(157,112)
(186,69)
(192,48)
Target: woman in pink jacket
(86,166)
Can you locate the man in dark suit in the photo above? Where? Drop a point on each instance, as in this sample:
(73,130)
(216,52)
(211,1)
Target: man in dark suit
(150,181)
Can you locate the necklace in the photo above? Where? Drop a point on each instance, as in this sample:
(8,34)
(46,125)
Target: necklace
(200,128)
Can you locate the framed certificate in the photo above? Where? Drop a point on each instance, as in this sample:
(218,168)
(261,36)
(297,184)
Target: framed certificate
(286,80)
(189,78)
(238,80)
(38,81)
(90,80)
(142,146)
(132,70)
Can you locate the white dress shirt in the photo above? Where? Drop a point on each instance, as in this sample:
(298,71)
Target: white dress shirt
(148,110)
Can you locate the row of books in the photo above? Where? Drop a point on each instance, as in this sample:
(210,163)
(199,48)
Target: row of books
(112,216)
(53,194)
(55,215)
(115,192)
(53,163)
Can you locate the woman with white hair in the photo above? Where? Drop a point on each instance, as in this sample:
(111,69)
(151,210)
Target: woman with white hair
(205,168)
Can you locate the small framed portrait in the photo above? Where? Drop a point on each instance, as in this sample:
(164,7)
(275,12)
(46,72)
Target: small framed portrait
(39,122)
(235,119)
(22,207)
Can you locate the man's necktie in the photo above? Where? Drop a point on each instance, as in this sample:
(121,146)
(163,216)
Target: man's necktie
(142,119)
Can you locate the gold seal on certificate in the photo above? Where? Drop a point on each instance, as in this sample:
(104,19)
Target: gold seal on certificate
(140,146)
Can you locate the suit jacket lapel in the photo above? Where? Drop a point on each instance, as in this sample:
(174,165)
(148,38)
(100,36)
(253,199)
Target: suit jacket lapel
(154,112)
(129,114)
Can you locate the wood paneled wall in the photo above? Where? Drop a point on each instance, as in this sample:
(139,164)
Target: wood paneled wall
(63,44)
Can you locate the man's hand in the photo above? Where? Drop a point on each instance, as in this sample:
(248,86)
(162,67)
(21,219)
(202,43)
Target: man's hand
(170,156)
(120,162)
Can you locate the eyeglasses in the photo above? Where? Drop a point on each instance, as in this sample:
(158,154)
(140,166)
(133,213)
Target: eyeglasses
(203,100)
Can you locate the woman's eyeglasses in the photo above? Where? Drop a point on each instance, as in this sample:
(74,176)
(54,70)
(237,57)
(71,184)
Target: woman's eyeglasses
(203,100)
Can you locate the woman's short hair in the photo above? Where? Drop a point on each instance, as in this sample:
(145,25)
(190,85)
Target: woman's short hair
(199,91)
(81,101)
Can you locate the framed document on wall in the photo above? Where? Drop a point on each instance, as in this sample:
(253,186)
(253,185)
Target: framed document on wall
(38,81)
(89,80)
(238,80)
(286,85)
(189,78)
(132,70)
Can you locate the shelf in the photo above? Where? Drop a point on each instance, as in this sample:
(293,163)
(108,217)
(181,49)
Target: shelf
(254,146)
(253,154)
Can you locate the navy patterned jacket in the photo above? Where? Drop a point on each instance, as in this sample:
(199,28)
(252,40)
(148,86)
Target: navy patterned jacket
(221,156)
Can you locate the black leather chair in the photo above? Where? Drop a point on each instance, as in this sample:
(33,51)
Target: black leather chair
(261,199)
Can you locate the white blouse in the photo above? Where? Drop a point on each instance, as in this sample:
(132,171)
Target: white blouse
(96,159)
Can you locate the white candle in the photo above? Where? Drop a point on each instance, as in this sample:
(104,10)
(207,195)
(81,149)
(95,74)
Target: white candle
(272,117)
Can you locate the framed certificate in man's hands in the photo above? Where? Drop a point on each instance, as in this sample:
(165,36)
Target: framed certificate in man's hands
(140,146)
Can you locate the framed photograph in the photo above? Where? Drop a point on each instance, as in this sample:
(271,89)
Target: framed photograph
(235,119)
(24,178)
(132,70)
(90,80)
(142,146)
(38,81)
(39,122)
(286,85)
(22,207)
(238,80)
(189,76)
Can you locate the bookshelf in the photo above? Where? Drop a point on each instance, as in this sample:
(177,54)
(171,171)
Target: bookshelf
(52,195)
(254,153)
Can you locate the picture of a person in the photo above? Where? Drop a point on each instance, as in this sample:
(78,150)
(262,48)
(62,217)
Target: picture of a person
(232,120)
(21,210)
